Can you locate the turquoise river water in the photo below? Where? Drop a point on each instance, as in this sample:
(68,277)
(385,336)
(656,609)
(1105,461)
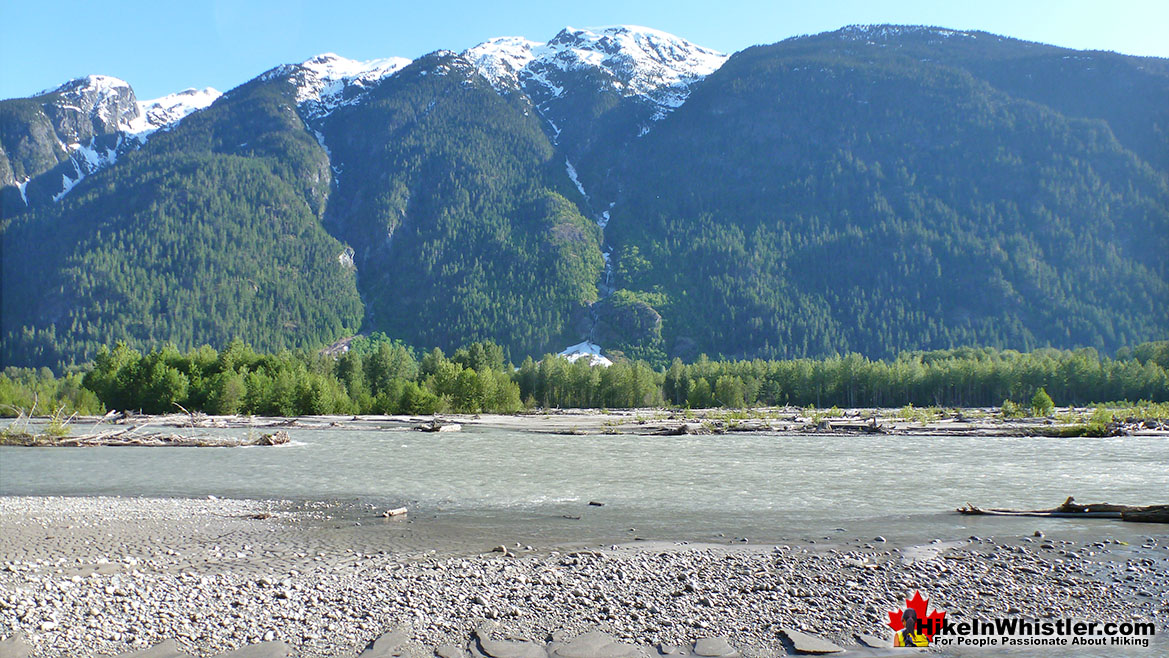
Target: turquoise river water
(764,487)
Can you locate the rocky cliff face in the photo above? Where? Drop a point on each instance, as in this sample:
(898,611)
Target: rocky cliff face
(42,131)
(50,141)
(91,106)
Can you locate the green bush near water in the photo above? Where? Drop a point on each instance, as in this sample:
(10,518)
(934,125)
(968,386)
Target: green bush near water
(39,391)
(1041,403)
(1010,409)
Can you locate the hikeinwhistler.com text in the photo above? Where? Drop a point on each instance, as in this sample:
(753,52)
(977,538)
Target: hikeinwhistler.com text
(1017,632)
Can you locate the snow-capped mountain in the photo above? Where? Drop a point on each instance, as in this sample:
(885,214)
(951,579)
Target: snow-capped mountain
(328,81)
(595,89)
(633,61)
(96,118)
(135,124)
(100,104)
(85,124)
(133,131)
(568,79)
(69,128)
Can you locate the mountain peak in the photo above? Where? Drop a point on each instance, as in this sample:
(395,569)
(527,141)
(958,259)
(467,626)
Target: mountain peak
(328,80)
(91,105)
(637,61)
(323,58)
(90,83)
(501,59)
(331,66)
(612,37)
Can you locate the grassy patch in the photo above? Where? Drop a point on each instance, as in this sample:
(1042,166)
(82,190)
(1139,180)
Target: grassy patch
(1142,410)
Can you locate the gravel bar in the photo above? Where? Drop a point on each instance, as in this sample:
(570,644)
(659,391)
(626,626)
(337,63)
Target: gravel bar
(107,576)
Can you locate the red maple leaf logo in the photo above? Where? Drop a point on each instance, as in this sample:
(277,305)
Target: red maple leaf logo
(931,622)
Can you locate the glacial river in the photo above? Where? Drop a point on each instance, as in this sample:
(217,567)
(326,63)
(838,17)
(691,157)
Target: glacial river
(763,487)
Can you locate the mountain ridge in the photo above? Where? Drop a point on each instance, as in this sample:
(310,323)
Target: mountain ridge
(327,80)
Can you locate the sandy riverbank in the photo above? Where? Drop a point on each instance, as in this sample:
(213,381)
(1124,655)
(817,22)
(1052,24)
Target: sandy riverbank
(103,576)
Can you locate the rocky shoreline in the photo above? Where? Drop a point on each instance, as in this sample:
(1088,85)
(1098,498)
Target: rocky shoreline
(108,576)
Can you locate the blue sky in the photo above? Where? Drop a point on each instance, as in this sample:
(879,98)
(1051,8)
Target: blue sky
(162,46)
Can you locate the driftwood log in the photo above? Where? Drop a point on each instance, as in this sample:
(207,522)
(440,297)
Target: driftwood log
(438,426)
(134,437)
(684,429)
(1147,514)
(1070,509)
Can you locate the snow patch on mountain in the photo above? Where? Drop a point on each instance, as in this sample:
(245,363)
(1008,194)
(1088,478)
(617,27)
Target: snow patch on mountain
(86,159)
(168,111)
(551,124)
(586,350)
(501,60)
(635,61)
(603,220)
(67,182)
(329,81)
(575,179)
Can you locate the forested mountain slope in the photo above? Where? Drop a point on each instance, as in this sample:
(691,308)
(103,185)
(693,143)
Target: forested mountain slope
(455,204)
(829,194)
(210,231)
(874,189)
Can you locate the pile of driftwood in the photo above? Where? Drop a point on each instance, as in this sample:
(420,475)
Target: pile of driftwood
(133,437)
(1069,509)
